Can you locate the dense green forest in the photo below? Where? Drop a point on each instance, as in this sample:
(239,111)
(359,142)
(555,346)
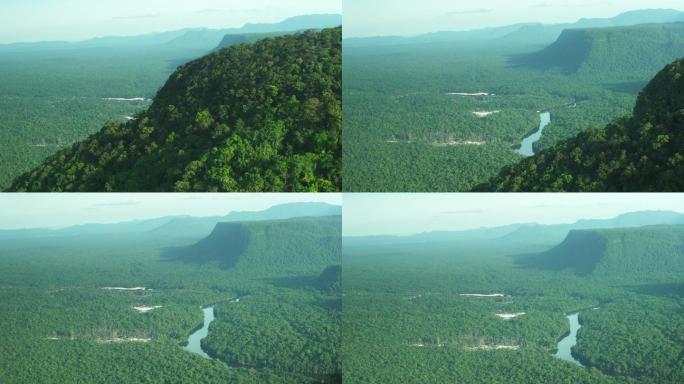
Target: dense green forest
(251,117)
(406,318)
(53,98)
(64,323)
(55,93)
(447,115)
(641,152)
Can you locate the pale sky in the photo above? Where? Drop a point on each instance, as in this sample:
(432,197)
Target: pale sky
(375,214)
(409,17)
(42,20)
(55,210)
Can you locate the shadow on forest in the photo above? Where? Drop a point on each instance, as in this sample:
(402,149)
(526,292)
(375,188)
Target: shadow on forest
(548,261)
(295,282)
(630,87)
(527,260)
(309,283)
(226,244)
(192,255)
(537,61)
(666,289)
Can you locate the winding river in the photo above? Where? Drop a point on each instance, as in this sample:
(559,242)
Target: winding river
(566,344)
(194,345)
(526,148)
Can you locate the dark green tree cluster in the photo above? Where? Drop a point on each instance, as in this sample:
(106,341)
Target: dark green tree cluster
(643,152)
(636,336)
(293,331)
(259,117)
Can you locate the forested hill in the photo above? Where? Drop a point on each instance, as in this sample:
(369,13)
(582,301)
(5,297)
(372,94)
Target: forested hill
(601,52)
(250,117)
(643,152)
(302,245)
(636,253)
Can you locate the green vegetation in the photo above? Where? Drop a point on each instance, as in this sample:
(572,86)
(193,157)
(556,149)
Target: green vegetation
(405,319)
(601,52)
(54,97)
(294,331)
(618,253)
(642,152)
(60,325)
(405,132)
(216,126)
(330,279)
(302,244)
(53,92)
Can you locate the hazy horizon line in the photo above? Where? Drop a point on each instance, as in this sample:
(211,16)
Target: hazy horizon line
(159,32)
(410,234)
(506,25)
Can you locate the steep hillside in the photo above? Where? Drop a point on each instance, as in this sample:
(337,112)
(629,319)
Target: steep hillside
(629,253)
(330,280)
(642,152)
(302,244)
(259,117)
(634,50)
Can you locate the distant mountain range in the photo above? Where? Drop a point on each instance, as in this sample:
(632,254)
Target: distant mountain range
(181,226)
(524,232)
(199,38)
(529,33)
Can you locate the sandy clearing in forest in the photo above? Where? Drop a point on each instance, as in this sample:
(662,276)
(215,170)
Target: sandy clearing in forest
(465,142)
(125,99)
(124,289)
(469,94)
(508,316)
(484,113)
(493,347)
(121,340)
(147,309)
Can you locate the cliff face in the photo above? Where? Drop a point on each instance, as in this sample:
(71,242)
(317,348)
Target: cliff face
(301,244)
(625,253)
(606,52)
(581,251)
